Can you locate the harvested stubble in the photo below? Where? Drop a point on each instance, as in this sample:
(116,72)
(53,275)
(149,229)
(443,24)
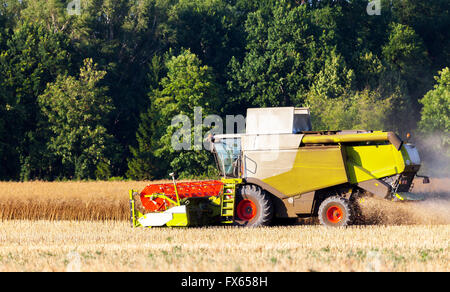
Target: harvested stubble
(114,246)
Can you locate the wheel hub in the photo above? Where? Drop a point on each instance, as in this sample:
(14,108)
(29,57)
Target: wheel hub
(334,214)
(246,210)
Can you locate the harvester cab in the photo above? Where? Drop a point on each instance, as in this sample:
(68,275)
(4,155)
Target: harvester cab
(269,123)
(280,168)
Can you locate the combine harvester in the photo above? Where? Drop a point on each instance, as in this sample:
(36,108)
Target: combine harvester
(280,168)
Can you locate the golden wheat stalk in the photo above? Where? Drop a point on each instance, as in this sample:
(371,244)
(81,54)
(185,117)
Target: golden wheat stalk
(65,200)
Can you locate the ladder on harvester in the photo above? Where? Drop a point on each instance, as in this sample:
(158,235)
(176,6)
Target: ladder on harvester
(228,199)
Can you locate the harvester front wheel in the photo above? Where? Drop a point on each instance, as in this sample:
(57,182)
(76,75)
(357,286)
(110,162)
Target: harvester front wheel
(253,207)
(335,211)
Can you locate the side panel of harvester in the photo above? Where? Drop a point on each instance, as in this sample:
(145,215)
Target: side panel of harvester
(287,167)
(373,161)
(313,168)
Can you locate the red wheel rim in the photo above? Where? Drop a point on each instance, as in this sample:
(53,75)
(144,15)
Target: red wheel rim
(246,210)
(334,214)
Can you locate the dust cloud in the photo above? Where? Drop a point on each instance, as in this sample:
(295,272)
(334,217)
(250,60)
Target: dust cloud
(433,210)
(434,150)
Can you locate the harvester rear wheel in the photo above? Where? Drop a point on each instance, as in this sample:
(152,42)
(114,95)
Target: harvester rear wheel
(336,211)
(253,207)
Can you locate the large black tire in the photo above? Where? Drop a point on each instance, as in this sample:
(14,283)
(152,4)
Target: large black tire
(254,207)
(336,211)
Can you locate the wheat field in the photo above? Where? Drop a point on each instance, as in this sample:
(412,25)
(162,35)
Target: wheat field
(82,226)
(66,200)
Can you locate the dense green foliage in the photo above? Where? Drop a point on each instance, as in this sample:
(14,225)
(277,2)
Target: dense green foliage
(77,111)
(436,110)
(92,96)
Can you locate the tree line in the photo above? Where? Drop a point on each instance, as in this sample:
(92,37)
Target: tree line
(92,95)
